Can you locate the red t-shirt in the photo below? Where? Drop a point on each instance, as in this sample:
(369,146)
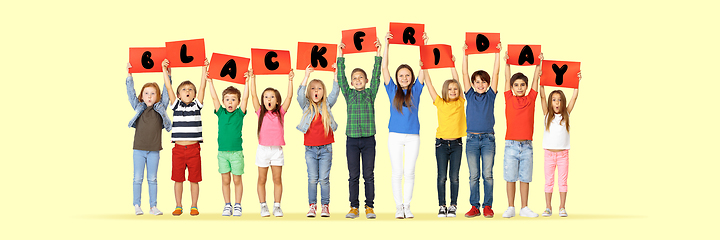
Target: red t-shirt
(519,113)
(315,135)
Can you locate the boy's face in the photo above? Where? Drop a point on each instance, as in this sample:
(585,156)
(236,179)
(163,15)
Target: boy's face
(149,96)
(480,85)
(316,91)
(186,93)
(359,80)
(453,91)
(269,101)
(231,102)
(519,87)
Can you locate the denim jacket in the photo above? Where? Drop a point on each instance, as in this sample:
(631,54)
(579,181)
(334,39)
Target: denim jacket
(305,105)
(160,107)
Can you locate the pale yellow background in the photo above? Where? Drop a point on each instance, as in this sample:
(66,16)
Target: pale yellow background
(643,161)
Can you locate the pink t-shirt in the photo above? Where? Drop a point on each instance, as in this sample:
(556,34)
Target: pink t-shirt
(272,132)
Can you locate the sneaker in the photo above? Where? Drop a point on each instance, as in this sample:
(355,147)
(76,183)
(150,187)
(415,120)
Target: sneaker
(547,212)
(562,213)
(406,209)
(510,212)
(264,211)
(138,211)
(237,210)
(400,213)
(369,213)
(488,212)
(474,212)
(155,211)
(194,211)
(177,212)
(442,212)
(451,211)
(325,211)
(526,212)
(311,212)
(353,213)
(227,211)
(277,211)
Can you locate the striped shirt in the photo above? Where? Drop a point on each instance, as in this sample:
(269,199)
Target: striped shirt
(361,104)
(186,125)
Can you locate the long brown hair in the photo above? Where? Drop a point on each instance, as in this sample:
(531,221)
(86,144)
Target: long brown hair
(152,85)
(401,98)
(563,111)
(275,110)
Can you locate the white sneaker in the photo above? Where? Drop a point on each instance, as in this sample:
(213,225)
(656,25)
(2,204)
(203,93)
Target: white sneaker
(562,213)
(227,210)
(264,211)
(400,213)
(155,211)
(237,210)
(547,212)
(311,212)
(325,211)
(510,212)
(277,211)
(451,211)
(406,209)
(526,212)
(138,211)
(442,212)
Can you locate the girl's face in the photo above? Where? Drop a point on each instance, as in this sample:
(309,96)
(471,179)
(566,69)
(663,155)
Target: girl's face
(404,78)
(519,87)
(556,103)
(269,100)
(149,96)
(453,91)
(316,91)
(359,80)
(187,93)
(231,102)
(480,85)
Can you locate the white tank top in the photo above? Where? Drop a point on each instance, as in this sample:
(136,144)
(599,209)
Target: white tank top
(557,137)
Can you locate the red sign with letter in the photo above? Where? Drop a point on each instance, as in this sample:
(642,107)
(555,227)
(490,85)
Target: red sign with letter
(267,62)
(146,59)
(228,68)
(188,53)
(436,56)
(481,42)
(359,40)
(407,33)
(523,55)
(320,56)
(560,74)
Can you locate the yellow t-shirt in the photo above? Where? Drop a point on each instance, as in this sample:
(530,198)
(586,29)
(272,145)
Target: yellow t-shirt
(451,118)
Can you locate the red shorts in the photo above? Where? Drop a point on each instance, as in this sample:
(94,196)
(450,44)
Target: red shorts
(186,156)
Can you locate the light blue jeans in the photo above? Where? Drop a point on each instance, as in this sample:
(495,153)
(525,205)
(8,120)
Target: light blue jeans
(140,160)
(518,161)
(481,145)
(318,160)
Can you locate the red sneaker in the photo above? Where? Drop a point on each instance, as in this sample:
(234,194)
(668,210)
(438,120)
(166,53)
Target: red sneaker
(474,212)
(488,212)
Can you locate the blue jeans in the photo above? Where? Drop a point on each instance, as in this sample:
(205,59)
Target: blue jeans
(318,160)
(481,145)
(448,152)
(140,160)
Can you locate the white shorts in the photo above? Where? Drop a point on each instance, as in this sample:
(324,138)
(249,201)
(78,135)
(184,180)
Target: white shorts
(269,156)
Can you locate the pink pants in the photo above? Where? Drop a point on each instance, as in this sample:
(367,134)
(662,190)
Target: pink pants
(561,160)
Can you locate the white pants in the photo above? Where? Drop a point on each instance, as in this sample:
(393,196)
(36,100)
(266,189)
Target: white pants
(410,145)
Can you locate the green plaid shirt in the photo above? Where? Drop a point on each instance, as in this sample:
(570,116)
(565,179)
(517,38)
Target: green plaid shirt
(361,104)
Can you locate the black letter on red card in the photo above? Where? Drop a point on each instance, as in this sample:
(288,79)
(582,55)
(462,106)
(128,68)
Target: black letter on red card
(526,55)
(482,42)
(436,52)
(317,56)
(230,68)
(357,39)
(409,35)
(147,62)
(183,55)
(269,63)
(559,72)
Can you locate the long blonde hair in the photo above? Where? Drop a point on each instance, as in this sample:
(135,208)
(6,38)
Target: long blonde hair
(446,89)
(320,106)
(563,111)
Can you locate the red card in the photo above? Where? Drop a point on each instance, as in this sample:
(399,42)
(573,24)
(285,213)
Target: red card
(407,33)
(481,42)
(523,55)
(320,55)
(359,40)
(188,53)
(560,74)
(267,62)
(436,56)
(228,68)
(146,59)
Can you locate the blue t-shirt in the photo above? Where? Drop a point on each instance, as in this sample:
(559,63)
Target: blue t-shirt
(406,122)
(480,111)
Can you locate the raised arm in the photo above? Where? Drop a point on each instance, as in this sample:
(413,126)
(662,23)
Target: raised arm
(466,76)
(213,94)
(253,89)
(496,69)
(302,100)
(168,84)
(428,82)
(340,71)
(421,75)
(454,73)
(201,93)
(288,99)
(244,100)
(536,76)
(508,84)
(335,92)
(130,84)
(375,79)
(543,101)
(385,71)
(571,104)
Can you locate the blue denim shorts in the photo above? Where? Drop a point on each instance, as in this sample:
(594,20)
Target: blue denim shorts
(518,161)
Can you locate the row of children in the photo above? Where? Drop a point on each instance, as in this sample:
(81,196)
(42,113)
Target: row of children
(318,125)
